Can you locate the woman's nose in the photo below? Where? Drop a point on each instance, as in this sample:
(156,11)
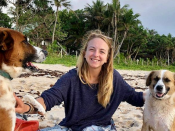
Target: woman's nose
(96,53)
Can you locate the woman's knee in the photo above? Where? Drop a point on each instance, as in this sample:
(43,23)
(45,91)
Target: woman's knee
(56,128)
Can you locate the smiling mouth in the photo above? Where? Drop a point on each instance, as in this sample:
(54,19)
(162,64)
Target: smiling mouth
(160,95)
(95,60)
(31,67)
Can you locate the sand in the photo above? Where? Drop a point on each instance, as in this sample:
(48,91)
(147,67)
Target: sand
(126,118)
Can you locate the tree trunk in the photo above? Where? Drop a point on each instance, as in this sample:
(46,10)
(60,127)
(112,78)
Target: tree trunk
(168,58)
(137,52)
(120,45)
(115,29)
(98,26)
(109,30)
(173,55)
(130,49)
(17,17)
(62,48)
(56,18)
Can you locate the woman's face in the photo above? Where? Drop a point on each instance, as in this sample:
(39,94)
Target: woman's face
(96,53)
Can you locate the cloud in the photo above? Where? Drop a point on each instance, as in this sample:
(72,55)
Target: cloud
(80,4)
(158,15)
(155,14)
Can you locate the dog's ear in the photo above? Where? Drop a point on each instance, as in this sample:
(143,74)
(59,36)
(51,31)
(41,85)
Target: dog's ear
(6,41)
(148,80)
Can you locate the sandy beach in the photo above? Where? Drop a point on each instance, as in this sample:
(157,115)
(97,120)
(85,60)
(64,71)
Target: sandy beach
(126,118)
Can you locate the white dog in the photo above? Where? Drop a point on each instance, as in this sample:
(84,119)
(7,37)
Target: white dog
(159,110)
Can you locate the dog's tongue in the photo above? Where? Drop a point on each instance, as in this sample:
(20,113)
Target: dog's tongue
(30,64)
(159,94)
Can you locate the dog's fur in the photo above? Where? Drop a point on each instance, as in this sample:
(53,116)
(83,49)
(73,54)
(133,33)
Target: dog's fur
(159,110)
(15,57)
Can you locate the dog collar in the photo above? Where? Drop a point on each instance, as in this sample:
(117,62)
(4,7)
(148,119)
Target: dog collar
(5,74)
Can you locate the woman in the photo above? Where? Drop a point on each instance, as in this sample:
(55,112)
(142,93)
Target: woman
(92,92)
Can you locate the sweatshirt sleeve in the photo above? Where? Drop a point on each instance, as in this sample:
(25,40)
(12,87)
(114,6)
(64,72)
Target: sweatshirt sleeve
(55,95)
(128,93)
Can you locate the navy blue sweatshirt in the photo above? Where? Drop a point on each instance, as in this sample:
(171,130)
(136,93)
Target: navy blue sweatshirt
(81,105)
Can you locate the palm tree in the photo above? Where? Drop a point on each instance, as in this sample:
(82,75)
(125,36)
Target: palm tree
(75,28)
(116,9)
(108,19)
(59,4)
(128,20)
(173,50)
(95,13)
(17,10)
(169,46)
(135,41)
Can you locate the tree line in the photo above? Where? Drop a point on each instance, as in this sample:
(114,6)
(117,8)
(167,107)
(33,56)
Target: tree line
(43,20)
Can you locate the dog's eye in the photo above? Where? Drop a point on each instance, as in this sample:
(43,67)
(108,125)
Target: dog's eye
(157,78)
(167,80)
(25,42)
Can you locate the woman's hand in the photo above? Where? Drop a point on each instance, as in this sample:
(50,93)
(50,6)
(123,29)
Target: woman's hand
(20,106)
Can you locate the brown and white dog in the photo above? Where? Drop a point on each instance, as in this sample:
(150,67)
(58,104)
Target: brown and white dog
(16,55)
(159,109)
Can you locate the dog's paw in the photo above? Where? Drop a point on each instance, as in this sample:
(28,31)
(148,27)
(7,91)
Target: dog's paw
(30,99)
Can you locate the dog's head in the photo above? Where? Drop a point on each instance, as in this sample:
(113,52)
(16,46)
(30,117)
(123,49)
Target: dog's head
(16,54)
(161,83)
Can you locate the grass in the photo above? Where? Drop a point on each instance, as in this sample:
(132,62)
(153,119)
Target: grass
(68,60)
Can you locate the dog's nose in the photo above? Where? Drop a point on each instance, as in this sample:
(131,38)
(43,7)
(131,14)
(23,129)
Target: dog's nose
(45,52)
(159,88)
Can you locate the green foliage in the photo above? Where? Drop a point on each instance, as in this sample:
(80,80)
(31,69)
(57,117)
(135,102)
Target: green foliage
(5,20)
(53,48)
(36,19)
(3,3)
(75,27)
(38,30)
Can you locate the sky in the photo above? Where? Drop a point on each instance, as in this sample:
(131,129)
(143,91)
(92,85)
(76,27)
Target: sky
(154,14)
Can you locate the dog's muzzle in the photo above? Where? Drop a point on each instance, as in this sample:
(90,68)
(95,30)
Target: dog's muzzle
(159,91)
(45,52)
(159,88)
(40,55)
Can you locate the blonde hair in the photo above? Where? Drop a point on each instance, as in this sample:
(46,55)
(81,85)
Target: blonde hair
(105,79)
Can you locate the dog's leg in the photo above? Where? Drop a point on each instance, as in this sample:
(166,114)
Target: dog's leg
(145,127)
(13,121)
(173,126)
(35,103)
